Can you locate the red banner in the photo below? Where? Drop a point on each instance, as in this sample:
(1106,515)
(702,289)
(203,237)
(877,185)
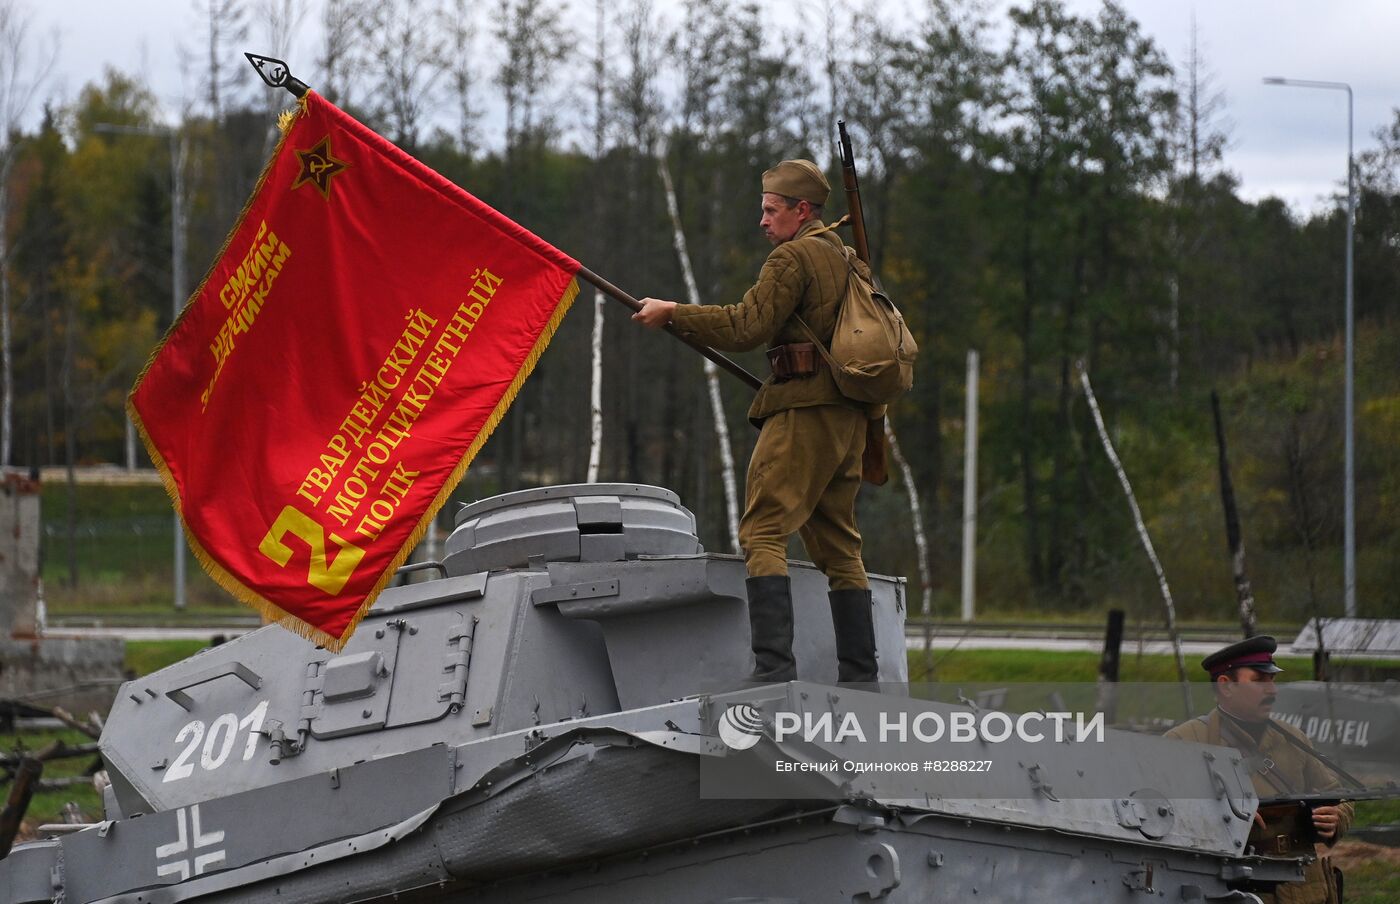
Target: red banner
(362,333)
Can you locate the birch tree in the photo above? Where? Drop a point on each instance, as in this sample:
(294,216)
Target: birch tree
(692,291)
(25,64)
(406,53)
(1202,134)
(595,391)
(879,98)
(226,26)
(636,117)
(533,39)
(36,261)
(533,44)
(595,394)
(459,30)
(1168,605)
(281,20)
(916,517)
(341,25)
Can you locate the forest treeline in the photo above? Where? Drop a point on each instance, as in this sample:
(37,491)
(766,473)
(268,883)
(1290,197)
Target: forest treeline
(1042,187)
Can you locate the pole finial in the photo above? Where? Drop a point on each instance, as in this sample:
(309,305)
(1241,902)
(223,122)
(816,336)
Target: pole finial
(277,74)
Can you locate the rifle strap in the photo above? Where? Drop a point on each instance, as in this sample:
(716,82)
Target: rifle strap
(1231,733)
(1326,761)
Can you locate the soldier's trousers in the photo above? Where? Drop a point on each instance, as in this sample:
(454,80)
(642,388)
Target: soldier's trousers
(803,477)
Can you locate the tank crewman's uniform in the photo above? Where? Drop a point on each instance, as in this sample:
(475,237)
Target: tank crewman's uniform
(806,467)
(1277,765)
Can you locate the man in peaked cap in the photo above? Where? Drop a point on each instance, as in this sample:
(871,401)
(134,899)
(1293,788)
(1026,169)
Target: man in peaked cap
(806,467)
(1242,676)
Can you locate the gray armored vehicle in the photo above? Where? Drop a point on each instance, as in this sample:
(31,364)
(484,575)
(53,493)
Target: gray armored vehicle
(555,719)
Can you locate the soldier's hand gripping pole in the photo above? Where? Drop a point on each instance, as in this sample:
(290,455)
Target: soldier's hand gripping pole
(277,74)
(633,304)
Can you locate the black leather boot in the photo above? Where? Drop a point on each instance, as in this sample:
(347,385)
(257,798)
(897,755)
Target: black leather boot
(770,628)
(853,616)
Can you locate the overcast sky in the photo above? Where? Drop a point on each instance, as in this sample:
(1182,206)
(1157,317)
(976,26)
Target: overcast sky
(1288,142)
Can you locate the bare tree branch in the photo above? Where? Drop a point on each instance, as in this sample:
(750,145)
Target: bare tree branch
(227,27)
(407,54)
(457,64)
(24,67)
(726,453)
(341,24)
(1142,534)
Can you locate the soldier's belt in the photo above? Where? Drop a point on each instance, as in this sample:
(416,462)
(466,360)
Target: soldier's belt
(794,361)
(1287,832)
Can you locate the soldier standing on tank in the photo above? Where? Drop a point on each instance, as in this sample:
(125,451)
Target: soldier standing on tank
(1242,676)
(806,467)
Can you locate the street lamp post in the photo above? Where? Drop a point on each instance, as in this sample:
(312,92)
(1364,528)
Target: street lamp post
(1349,540)
(178,150)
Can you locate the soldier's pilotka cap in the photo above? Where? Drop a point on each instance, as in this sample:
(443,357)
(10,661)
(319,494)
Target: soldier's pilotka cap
(1256,653)
(800,179)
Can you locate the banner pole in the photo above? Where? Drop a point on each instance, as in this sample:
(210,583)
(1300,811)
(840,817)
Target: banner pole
(633,304)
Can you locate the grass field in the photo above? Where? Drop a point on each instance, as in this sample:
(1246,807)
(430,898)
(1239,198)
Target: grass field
(118,555)
(1373,883)
(145,657)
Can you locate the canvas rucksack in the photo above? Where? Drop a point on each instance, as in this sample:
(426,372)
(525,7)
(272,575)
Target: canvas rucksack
(872,351)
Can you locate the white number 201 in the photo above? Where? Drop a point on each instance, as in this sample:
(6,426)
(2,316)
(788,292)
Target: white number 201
(218,743)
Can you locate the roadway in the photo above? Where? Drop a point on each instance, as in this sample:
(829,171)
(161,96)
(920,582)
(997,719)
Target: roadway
(1048,637)
(1196,641)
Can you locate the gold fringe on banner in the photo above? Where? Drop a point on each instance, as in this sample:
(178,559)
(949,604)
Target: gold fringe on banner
(271,611)
(287,117)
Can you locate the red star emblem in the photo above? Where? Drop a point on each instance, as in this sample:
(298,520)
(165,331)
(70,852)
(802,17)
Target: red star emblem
(317,167)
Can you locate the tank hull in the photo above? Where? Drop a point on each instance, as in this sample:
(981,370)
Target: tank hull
(547,722)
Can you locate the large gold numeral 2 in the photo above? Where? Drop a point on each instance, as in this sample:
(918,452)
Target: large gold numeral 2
(327,576)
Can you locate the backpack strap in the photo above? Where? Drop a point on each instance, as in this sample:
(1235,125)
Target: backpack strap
(1260,763)
(850,271)
(821,346)
(1327,762)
